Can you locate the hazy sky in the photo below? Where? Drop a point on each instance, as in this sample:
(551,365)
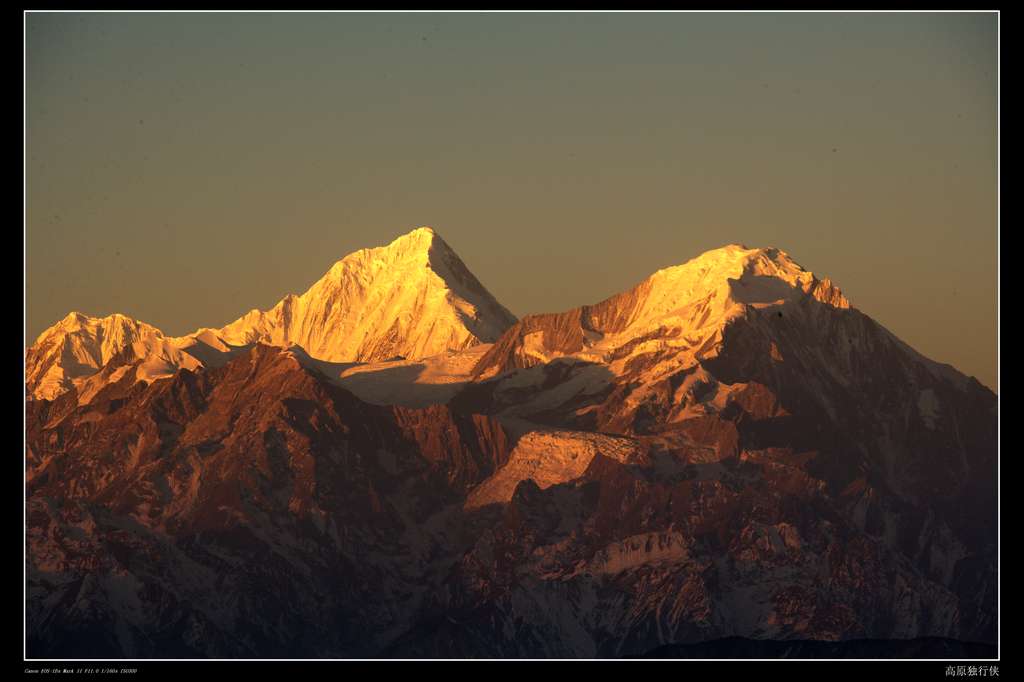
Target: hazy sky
(185,168)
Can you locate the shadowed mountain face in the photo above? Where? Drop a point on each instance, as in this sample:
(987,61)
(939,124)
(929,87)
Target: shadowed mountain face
(251,510)
(728,450)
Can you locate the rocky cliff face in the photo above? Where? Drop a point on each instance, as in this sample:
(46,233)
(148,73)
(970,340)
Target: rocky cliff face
(728,450)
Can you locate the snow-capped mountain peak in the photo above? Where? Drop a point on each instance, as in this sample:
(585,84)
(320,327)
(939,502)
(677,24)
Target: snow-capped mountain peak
(735,274)
(412,298)
(685,307)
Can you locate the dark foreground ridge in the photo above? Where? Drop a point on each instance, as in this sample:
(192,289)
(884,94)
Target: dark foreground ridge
(742,647)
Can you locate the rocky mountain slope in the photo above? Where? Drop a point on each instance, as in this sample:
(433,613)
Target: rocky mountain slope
(730,449)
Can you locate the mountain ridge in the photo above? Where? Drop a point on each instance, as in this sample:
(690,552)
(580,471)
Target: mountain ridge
(413,297)
(717,285)
(729,449)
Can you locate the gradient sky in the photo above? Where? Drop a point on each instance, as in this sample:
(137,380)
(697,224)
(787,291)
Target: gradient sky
(185,168)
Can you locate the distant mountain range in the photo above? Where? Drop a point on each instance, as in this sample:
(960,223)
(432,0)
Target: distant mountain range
(392,465)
